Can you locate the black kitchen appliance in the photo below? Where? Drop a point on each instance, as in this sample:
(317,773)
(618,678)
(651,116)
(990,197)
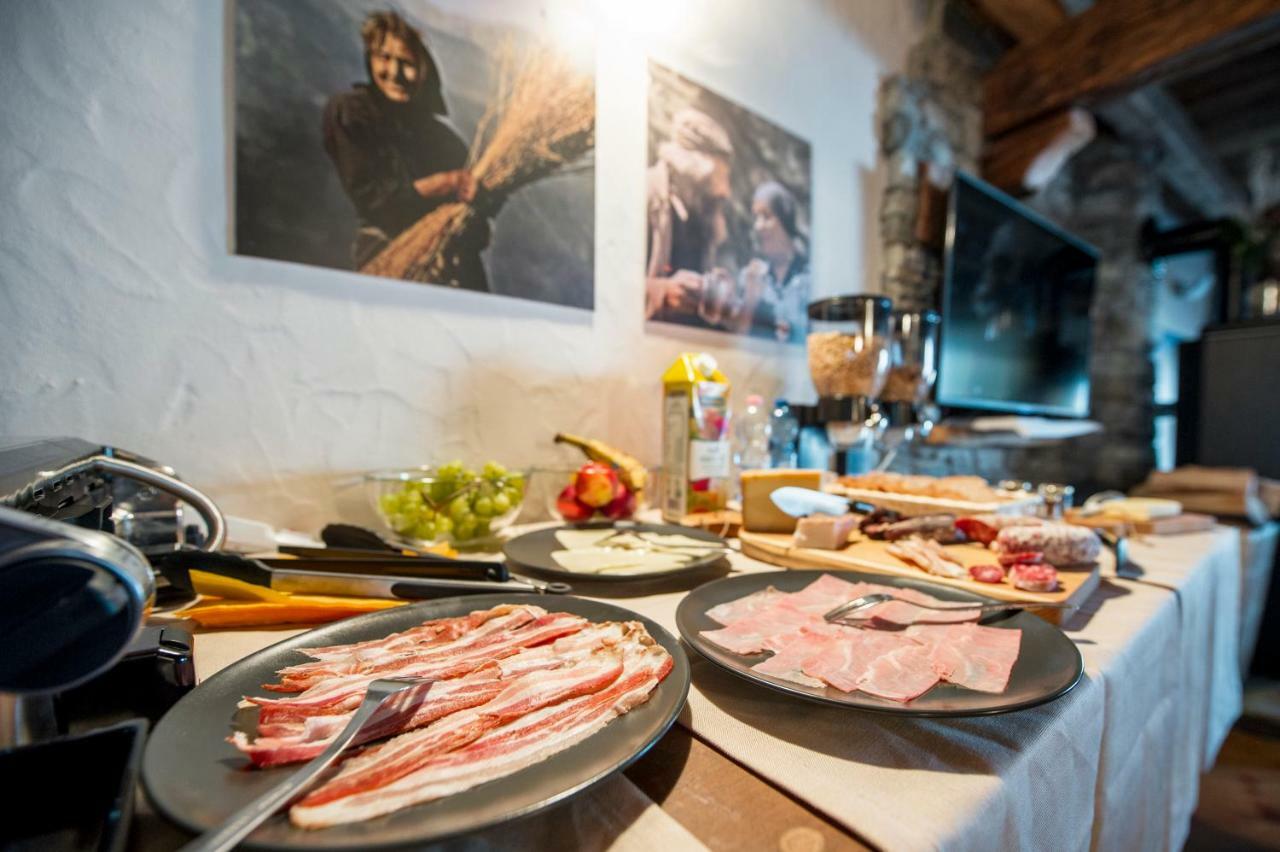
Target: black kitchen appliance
(77,520)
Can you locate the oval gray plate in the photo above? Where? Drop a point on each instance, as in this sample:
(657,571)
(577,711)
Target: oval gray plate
(197,779)
(533,551)
(1048,666)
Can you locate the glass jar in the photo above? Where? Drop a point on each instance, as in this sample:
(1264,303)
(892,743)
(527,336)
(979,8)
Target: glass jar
(913,357)
(849,345)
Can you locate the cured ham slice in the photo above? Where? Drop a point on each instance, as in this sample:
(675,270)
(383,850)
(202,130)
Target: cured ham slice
(728,613)
(282,743)
(752,635)
(899,665)
(844,663)
(969,655)
(499,752)
(343,694)
(789,661)
(901,674)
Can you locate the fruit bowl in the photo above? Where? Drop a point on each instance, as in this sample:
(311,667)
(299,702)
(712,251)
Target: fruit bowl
(590,492)
(450,503)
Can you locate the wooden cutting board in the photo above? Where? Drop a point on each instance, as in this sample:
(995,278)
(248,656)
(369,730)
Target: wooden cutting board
(864,554)
(1187,522)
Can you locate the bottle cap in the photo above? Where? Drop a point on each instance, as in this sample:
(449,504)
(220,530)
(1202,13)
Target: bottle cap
(755,399)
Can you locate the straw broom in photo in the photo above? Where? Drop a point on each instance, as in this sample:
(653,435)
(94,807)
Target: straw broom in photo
(542,118)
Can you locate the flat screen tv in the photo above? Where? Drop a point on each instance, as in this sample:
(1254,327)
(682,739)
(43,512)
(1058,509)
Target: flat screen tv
(1015,308)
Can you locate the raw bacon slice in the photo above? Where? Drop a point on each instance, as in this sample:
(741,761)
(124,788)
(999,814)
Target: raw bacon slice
(499,752)
(282,743)
(386,763)
(439,629)
(342,694)
(491,631)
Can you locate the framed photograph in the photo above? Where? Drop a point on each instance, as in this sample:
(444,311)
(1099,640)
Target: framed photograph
(728,200)
(445,142)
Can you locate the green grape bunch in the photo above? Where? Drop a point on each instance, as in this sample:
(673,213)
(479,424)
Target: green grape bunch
(454,503)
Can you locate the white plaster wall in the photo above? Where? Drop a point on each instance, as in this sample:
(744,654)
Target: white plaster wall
(123,318)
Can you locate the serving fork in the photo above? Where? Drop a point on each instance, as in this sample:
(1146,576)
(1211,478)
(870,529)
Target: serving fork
(844,613)
(242,822)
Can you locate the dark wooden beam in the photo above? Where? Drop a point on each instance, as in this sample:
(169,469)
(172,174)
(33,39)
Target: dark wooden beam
(1151,117)
(1022,20)
(1027,158)
(1116,45)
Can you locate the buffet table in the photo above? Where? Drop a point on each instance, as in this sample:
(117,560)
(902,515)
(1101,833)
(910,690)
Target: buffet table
(1114,764)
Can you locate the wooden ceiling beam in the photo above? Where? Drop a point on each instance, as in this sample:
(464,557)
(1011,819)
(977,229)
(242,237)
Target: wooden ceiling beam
(1116,45)
(1026,159)
(1022,20)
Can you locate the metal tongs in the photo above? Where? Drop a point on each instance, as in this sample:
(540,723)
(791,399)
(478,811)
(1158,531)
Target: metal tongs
(844,614)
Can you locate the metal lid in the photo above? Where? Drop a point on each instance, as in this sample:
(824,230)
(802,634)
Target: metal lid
(847,308)
(928,316)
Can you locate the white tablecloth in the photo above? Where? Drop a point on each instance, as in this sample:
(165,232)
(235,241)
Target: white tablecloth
(1115,764)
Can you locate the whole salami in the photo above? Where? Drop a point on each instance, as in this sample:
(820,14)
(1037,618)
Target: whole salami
(1061,544)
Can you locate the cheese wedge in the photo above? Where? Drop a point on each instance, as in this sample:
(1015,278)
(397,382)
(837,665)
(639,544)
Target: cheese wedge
(758,512)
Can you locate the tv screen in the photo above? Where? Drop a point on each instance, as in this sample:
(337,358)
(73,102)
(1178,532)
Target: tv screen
(1015,308)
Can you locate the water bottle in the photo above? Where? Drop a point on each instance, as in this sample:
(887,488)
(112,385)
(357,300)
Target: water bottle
(783,452)
(751,435)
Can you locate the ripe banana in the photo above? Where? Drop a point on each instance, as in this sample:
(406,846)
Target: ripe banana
(630,471)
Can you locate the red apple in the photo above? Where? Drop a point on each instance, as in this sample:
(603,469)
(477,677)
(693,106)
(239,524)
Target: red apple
(623,506)
(571,508)
(596,484)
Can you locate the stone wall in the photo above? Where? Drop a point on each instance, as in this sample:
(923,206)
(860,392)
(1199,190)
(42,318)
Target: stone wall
(930,124)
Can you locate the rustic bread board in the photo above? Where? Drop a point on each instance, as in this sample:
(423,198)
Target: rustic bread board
(864,554)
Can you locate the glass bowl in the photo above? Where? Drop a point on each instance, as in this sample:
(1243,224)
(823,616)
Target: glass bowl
(451,503)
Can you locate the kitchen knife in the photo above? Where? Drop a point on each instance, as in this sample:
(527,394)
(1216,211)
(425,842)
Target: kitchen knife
(801,502)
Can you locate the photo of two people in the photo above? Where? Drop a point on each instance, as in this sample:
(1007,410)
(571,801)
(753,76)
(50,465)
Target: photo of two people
(728,199)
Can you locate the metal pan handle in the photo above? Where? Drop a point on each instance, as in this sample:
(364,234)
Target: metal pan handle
(205,507)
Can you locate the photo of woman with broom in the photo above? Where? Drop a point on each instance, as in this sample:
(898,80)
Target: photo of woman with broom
(435,142)
(396,154)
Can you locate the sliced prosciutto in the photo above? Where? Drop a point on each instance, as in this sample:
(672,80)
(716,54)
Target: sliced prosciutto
(896,664)
(751,635)
(731,611)
(499,752)
(788,662)
(972,656)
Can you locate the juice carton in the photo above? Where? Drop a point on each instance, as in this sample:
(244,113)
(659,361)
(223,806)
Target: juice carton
(695,437)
